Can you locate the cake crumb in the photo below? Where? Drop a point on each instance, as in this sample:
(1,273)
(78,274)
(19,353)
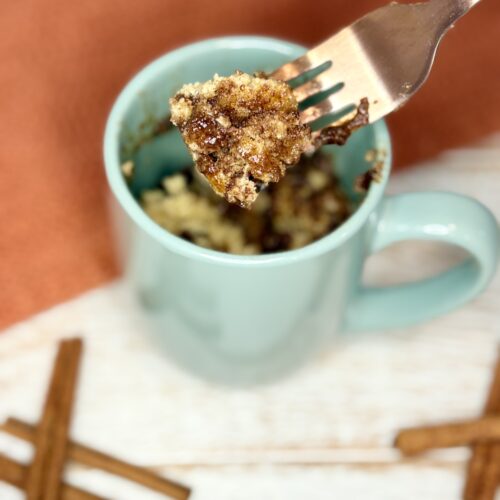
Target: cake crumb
(306,205)
(174,184)
(374,174)
(127,169)
(371,155)
(338,134)
(243,132)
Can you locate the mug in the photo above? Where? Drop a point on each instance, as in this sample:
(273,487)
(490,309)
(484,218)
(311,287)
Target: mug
(251,319)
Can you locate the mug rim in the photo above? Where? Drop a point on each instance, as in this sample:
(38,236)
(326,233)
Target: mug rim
(176,244)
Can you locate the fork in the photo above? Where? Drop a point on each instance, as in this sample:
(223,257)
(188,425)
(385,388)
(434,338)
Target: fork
(385,57)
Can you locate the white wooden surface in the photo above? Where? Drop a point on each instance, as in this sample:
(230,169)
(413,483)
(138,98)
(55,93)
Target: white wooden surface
(325,433)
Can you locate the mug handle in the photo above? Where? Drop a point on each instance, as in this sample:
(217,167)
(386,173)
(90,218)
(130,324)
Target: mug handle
(447,217)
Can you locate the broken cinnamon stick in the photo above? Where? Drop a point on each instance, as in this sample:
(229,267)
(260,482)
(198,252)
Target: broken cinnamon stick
(45,472)
(419,439)
(484,465)
(92,458)
(16,474)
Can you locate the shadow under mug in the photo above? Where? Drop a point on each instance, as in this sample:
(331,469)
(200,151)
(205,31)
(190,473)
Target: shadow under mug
(251,319)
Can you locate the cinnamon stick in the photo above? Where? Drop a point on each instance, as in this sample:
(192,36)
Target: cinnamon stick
(419,439)
(16,474)
(92,458)
(483,469)
(45,472)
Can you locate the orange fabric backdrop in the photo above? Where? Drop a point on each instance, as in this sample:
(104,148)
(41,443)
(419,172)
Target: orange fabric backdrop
(63,63)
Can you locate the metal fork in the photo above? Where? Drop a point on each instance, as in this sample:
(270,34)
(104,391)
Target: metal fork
(385,57)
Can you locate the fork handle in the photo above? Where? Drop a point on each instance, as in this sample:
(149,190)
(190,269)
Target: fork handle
(452,10)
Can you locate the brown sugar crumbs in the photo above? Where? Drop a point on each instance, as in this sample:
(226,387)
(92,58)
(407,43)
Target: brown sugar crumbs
(338,134)
(307,204)
(374,173)
(243,132)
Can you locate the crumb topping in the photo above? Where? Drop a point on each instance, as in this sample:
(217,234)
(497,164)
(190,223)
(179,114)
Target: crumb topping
(243,132)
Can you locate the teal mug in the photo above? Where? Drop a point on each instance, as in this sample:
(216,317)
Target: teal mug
(250,319)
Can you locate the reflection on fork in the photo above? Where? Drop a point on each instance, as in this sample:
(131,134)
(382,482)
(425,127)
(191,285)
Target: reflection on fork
(385,57)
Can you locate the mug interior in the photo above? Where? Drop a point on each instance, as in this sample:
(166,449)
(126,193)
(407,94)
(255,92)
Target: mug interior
(138,127)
